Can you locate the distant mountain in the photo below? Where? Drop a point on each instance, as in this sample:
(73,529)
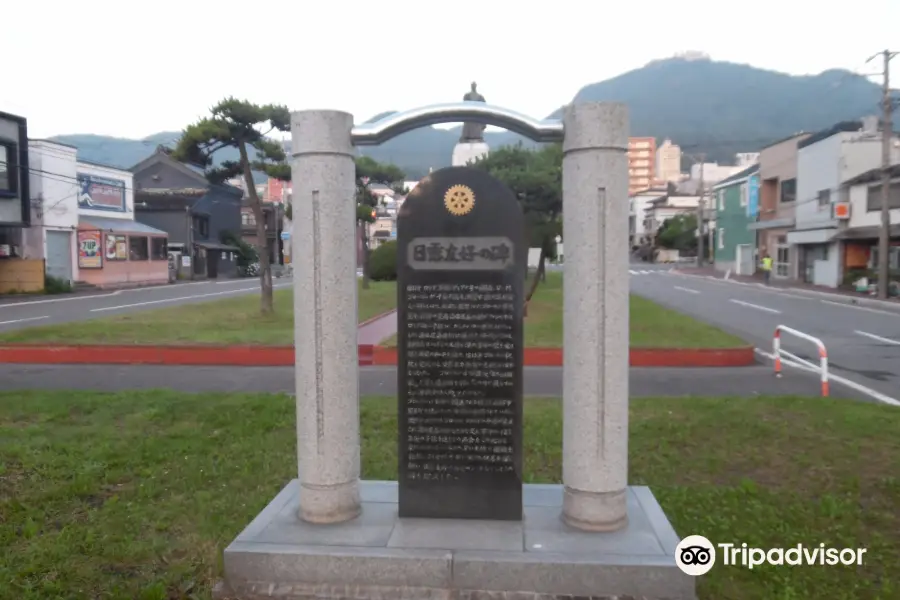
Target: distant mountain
(717,108)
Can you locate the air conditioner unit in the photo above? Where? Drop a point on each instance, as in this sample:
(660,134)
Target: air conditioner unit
(841,210)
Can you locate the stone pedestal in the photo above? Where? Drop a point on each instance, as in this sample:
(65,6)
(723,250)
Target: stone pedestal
(379,555)
(595,316)
(325,317)
(466,152)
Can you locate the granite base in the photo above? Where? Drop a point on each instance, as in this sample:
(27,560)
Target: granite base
(380,556)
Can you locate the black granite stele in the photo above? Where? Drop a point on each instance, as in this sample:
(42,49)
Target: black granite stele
(461,265)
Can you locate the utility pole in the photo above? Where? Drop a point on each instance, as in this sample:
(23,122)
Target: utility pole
(701,208)
(887,130)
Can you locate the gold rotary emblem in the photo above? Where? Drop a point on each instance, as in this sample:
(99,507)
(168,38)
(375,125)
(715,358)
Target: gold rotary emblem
(459,200)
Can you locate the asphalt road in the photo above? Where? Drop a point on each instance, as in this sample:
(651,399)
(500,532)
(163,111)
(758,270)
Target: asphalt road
(47,310)
(538,381)
(863,343)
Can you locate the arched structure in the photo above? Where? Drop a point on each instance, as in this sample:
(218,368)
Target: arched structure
(595,371)
(378,132)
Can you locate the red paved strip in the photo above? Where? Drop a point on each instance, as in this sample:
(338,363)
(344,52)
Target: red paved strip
(281,356)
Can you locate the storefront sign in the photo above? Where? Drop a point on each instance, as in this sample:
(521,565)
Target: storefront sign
(101,193)
(753,196)
(116,247)
(90,250)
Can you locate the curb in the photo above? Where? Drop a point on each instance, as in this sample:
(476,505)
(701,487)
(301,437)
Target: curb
(376,318)
(369,355)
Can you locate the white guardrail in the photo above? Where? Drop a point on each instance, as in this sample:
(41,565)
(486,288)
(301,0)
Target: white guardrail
(821,368)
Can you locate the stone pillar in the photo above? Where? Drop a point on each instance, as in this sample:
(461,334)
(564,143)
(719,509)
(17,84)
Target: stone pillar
(325,315)
(595,316)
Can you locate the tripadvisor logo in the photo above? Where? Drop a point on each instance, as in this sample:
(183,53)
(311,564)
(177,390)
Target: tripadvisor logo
(695,555)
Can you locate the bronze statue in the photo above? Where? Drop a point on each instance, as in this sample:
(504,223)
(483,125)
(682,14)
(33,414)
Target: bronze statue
(472,132)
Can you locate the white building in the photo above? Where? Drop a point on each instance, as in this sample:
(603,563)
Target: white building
(746,159)
(713,173)
(638,206)
(54,208)
(668,162)
(826,161)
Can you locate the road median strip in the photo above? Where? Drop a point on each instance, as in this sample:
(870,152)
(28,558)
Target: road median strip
(369,355)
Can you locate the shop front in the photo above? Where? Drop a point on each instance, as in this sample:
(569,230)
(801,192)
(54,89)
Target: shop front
(121,253)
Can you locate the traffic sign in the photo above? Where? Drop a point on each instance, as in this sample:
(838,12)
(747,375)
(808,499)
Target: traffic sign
(285,235)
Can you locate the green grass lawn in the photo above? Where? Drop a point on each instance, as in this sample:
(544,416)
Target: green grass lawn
(652,326)
(135,495)
(232,321)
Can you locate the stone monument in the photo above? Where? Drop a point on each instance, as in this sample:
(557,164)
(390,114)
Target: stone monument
(461,256)
(471,145)
(330,536)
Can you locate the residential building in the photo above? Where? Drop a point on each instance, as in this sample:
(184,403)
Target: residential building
(17,273)
(639,204)
(825,162)
(735,248)
(198,216)
(777,199)
(863,225)
(641,163)
(273,213)
(668,162)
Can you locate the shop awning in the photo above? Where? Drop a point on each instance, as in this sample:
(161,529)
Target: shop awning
(216,246)
(867,233)
(118,225)
(771,224)
(811,236)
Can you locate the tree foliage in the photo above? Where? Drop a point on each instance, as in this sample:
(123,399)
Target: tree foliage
(369,171)
(535,177)
(244,126)
(678,233)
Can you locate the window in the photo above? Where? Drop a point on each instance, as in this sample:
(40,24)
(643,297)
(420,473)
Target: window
(137,248)
(788,190)
(720,195)
(201,227)
(873,200)
(248,219)
(744,195)
(158,248)
(721,237)
(893,261)
(8,179)
(824,198)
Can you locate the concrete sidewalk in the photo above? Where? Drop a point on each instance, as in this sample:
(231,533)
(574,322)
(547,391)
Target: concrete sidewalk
(539,381)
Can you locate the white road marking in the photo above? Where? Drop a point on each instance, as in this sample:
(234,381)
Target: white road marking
(865,308)
(69,299)
(756,306)
(878,338)
(23,320)
(632,272)
(164,300)
(874,394)
(684,289)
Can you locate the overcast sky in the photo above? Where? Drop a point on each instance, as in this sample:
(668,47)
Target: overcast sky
(133,69)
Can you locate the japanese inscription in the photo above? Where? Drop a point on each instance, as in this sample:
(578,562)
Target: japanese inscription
(460,253)
(460,300)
